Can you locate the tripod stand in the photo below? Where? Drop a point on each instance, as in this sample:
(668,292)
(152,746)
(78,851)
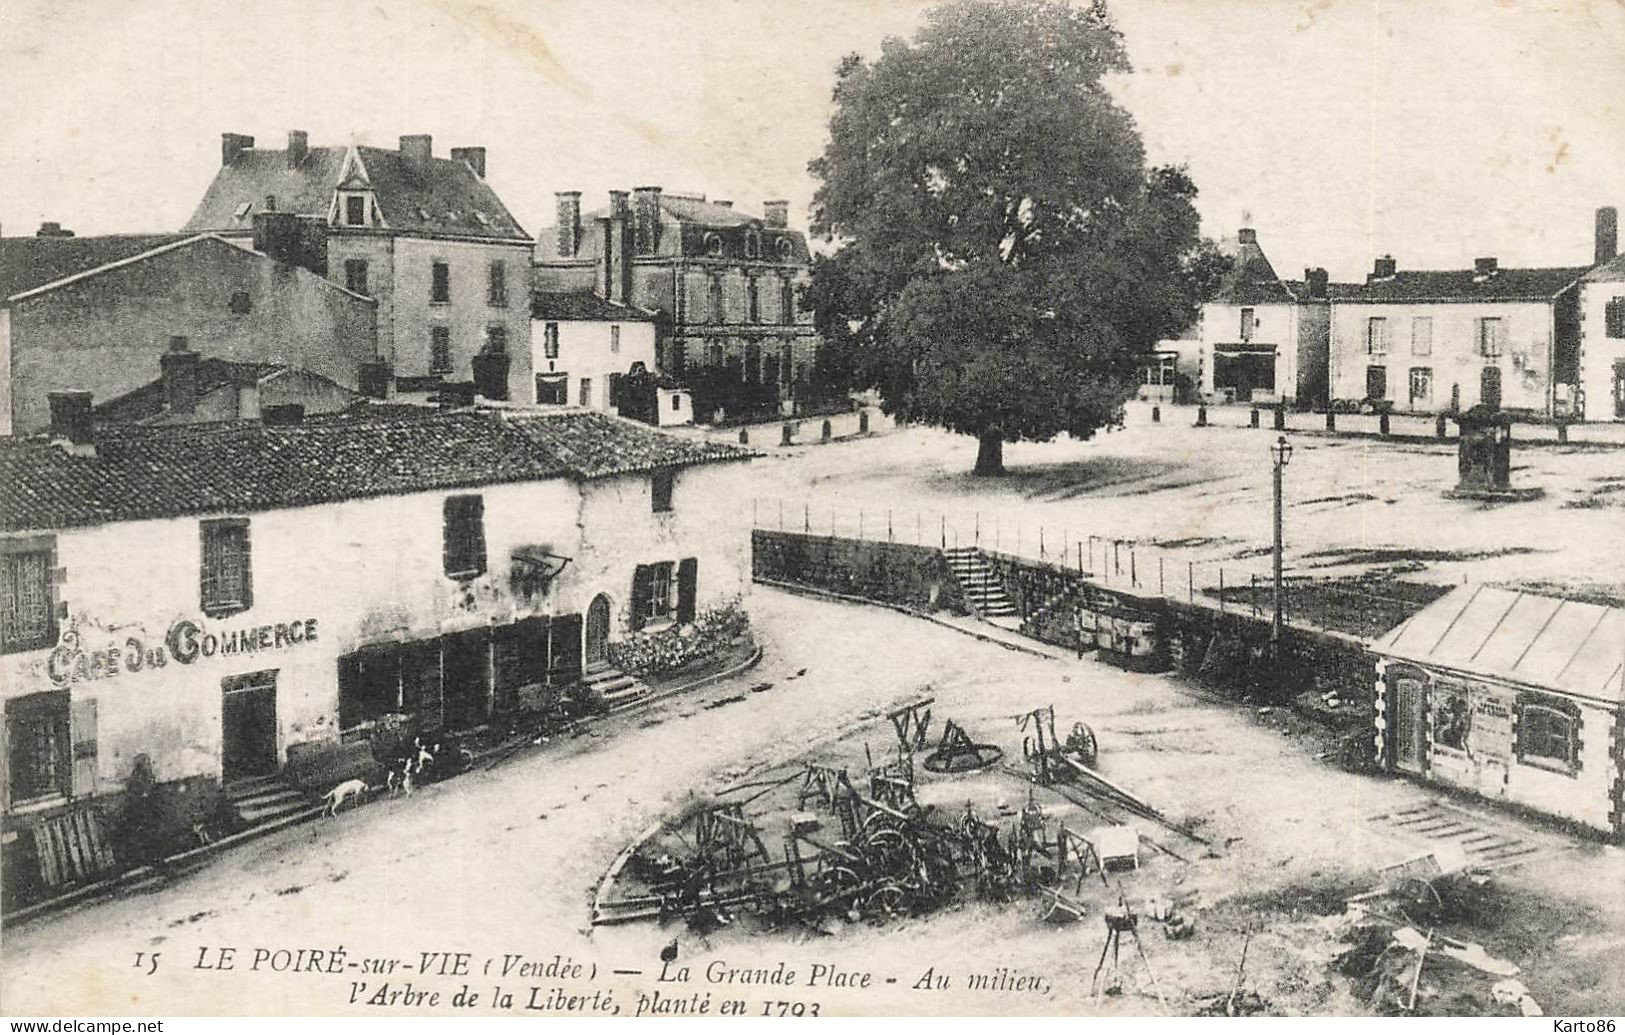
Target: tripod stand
(1120,921)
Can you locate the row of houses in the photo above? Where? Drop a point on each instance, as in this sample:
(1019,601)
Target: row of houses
(393,272)
(1547,342)
(234,611)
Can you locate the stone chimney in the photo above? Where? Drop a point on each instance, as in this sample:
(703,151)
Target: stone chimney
(473,157)
(1484,268)
(52,229)
(620,205)
(1315,281)
(1607,234)
(179,368)
(277,234)
(247,382)
(776,212)
(569,222)
(1384,268)
(372,379)
(646,220)
(298,147)
(71,422)
(283,414)
(1247,235)
(417,152)
(232,145)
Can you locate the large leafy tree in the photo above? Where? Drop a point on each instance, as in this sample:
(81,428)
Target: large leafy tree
(1004,255)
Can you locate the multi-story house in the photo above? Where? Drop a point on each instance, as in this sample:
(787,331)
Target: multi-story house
(1264,339)
(95,313)
(1431,341)
(600,355)
(163,614)
(426,236)
(723,282)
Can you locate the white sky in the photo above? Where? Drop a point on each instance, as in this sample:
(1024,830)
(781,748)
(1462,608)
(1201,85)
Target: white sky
(1341,129)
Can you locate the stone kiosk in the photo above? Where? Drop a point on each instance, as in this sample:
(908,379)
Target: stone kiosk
(1484,457)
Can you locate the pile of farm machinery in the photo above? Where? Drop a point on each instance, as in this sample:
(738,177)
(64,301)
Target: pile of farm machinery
(827,847)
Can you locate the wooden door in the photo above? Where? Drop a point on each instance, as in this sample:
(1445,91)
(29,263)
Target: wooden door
(467,678)
(1409,699)
(1489,388)
(248,732)
(597,630)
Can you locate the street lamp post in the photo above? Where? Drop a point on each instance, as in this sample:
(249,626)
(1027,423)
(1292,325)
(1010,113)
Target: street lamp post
(1281,453)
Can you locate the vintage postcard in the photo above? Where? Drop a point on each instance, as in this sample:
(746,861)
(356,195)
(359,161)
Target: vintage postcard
(553,508)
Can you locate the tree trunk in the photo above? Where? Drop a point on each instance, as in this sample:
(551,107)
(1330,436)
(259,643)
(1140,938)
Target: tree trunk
(990,455)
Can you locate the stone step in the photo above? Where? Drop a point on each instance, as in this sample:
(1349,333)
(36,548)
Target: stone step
(269,811)
(262,798)
(251,785)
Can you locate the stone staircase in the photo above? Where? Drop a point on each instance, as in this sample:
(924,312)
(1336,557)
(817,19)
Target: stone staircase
(260,800)
(617,690)
(983,589)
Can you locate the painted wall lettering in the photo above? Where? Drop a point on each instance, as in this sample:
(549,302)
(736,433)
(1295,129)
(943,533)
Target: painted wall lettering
(188,641)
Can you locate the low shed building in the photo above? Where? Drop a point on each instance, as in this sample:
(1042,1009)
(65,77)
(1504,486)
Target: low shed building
(1512,696)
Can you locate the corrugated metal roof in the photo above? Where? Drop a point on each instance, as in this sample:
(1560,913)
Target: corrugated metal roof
(1548,642)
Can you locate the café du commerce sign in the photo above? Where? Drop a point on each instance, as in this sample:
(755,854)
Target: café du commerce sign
(189,640)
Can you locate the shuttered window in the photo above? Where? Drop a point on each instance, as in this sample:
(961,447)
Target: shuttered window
(1614,318)
(651,593)
(688,574)
(226,573)
(1547,734)
(496,291)
(26,618)
(439,282)
(38,750)
(464,531)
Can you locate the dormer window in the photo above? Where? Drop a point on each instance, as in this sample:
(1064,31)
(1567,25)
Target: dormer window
(354,210)
(753,245)
(784,248)
(713,245)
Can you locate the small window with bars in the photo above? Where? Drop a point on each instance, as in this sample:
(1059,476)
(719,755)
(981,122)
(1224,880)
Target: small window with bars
(226,572)
(439,282)
(39,760)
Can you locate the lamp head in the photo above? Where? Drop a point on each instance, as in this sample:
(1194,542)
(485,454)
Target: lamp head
(1281,451)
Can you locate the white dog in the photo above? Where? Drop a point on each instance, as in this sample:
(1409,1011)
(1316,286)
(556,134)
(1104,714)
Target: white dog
(342,793)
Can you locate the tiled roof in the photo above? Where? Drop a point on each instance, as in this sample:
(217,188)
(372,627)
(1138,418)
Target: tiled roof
(1564,645)
(698,210)
(1335,290)
(30,262)
(1252,280)
(1613,269)
(212,373)
(449,200)
(1507,285)
(142,472)
(582,305)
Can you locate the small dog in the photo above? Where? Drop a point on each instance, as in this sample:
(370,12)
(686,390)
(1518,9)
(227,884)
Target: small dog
(343,793)
(400,777)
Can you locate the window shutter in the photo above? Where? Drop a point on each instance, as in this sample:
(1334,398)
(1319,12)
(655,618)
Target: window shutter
(1615,318)
(246,559)
(643,587)
(476,532)
(207,567)
(82,733)
(688,571)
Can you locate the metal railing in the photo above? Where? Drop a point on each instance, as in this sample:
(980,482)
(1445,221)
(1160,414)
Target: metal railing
(1127,565)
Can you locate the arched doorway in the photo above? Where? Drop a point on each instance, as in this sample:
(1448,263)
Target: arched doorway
(597,630)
